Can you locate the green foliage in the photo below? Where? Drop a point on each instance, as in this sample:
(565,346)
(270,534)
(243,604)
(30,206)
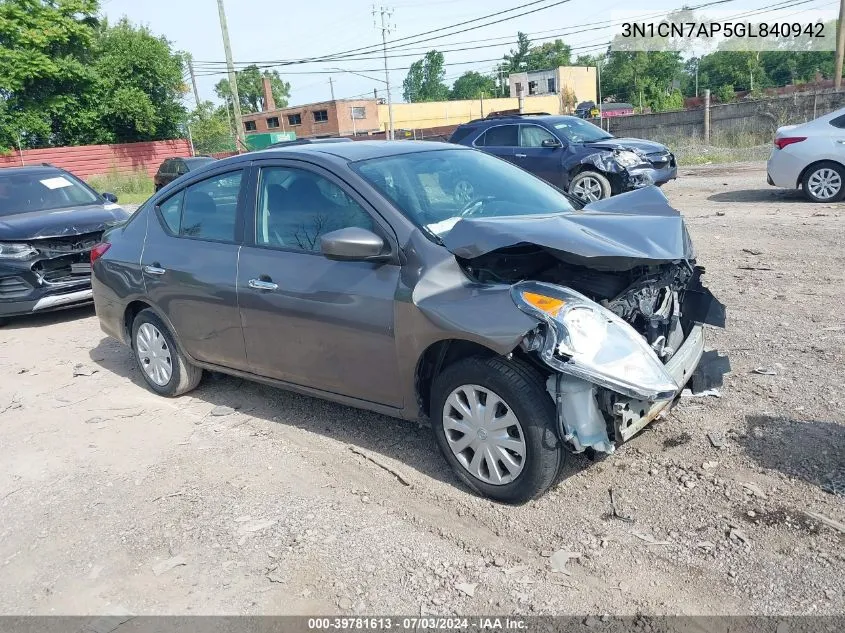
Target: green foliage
(130,187)
(251,89)
(424,81)
(472,85)
(66,78)
(211,131)
(725,93)
(649,77)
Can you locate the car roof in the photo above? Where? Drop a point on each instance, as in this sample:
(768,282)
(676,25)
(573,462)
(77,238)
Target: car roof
(514,119)
(31,169)
(351,152)
(308,141)
(194,159)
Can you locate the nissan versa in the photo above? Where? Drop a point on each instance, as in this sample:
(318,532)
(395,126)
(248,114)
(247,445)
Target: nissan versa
(521,324)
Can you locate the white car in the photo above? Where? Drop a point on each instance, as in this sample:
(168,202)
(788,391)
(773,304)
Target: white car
(811,156)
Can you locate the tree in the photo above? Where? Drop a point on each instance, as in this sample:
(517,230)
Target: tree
(515,59)
(139,84)
(548,55)
(251,89)
(647,77)
(424,81)
(472,85)
(67,78)
(210,129)
(725,93)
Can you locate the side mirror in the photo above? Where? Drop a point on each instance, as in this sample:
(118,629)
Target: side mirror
(352,244)
(109,196)
(549,142)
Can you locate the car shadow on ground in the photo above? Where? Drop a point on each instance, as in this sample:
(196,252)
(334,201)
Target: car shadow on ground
(759,195)
(810,450)
(409,443)
(46,319)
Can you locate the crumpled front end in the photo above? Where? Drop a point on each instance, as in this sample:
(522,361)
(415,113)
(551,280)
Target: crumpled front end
(618,301)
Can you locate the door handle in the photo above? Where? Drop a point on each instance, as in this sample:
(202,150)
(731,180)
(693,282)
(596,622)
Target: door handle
(260,284)
(154,269)
(520,155)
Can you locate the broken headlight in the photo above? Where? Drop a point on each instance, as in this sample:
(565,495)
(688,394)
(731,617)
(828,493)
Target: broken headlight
(627,158)
(16,251)
(590,342)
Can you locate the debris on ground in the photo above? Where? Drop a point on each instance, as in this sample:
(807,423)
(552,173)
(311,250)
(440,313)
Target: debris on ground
(765,371)
(467,588)
(753,489)
(688,393)
(559,560)
(165,566)
(370,457)
(84,370)
(616,511)
(221,410)
(752,251)
(836,525)
(255,526)
(716,439)
(648,538)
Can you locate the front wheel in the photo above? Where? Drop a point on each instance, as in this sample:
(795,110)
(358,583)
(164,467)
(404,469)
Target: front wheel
(590,186)
(824,182)
(495,424)
(163,366)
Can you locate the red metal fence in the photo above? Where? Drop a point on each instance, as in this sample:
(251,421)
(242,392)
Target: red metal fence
(89,160)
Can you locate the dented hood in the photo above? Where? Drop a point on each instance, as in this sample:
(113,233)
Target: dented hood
(59,222)
(619,233)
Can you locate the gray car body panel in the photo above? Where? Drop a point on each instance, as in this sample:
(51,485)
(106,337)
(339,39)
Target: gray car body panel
(430,298)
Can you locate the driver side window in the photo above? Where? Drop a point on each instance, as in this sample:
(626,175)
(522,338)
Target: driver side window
(534,135)
(296,207)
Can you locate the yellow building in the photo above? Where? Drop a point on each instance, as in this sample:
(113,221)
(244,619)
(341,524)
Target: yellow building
(572,83)
(415,116)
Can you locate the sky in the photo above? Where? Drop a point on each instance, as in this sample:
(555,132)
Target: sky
(270,30)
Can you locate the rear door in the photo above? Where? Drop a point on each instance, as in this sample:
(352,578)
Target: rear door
(545,162)
(190,262)
(501,141)
(306,319)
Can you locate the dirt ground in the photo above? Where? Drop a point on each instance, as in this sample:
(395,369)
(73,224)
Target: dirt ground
(243,499)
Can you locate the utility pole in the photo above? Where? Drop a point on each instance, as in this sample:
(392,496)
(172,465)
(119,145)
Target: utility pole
(386,14)
(189,58)
(697,63)
(331,87)
(233,79)
(840,45)
(598,72)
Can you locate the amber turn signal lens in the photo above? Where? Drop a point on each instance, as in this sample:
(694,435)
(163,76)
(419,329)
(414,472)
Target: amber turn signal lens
(549,305)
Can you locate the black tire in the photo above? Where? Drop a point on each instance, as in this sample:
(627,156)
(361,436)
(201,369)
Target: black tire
(184,376)
(576,184)
(522,389)
(816,169)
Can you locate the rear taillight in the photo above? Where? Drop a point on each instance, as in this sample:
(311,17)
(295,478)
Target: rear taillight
(782,142)
(99,250)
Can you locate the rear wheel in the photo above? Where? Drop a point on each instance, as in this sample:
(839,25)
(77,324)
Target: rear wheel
(824,182)
(163,366)
(590,186)
(495,424)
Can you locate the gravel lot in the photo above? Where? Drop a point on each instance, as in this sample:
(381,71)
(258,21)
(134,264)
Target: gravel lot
(240,498)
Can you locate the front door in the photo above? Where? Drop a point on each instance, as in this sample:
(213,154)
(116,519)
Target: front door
(545,162)
(190,262)
(306,319)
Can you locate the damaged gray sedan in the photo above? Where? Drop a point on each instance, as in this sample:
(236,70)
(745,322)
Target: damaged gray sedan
(521,324)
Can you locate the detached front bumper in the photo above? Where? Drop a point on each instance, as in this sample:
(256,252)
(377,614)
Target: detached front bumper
(632,415)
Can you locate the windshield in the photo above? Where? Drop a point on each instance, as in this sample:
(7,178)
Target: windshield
(580,131)
(42,190)
(436,189)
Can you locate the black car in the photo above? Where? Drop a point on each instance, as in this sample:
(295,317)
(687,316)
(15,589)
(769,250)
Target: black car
(49,222)
(308,141)
(570,153)
(172,168)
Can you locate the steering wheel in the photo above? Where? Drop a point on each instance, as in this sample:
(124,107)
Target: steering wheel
(469,209)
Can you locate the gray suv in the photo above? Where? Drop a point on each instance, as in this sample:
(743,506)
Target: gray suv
(519,324)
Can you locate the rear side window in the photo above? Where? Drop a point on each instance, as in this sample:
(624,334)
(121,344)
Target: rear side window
(206,210)
(501,136)
(461,133)
(838,121)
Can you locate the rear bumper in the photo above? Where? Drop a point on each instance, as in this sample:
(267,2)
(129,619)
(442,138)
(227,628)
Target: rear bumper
(783,169)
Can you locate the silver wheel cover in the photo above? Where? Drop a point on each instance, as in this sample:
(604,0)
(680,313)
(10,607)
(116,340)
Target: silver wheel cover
(154,354)
(464,192)
(824,183)
(484,435)
(587,189)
